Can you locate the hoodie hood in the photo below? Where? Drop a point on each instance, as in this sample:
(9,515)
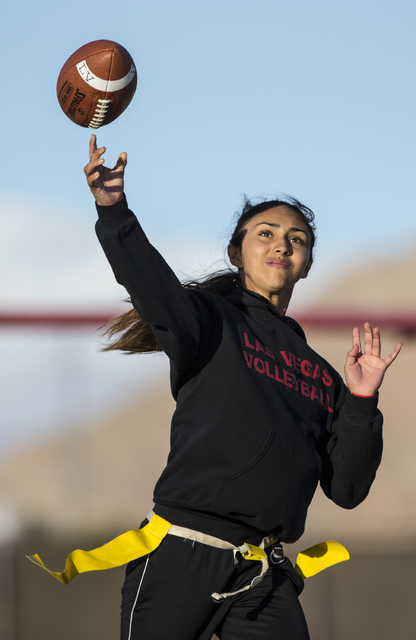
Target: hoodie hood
(253,304)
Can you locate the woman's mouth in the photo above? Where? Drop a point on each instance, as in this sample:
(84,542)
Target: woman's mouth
(278,264)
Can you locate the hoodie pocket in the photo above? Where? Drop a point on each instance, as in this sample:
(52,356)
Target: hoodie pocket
(279,479)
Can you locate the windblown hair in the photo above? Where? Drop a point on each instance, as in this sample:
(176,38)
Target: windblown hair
(132,335)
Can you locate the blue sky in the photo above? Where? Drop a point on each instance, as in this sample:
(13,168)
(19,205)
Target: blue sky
(313,99)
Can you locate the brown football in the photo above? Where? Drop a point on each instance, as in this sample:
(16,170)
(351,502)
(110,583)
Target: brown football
(96,84)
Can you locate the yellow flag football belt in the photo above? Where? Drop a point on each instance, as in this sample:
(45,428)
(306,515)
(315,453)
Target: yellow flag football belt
(140,542)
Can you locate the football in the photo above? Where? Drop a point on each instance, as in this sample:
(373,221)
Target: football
(97,83)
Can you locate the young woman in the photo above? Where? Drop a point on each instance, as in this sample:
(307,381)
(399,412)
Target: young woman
(261,419)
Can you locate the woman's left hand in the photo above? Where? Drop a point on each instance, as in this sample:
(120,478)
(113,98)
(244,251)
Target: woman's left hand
(364,371)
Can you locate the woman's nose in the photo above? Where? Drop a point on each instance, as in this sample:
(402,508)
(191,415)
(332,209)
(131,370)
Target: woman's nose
(283,246)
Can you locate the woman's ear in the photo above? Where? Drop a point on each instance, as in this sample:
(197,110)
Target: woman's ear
(234,255)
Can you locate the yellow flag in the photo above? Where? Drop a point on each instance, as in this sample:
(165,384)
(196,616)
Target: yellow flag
(123,549)
(319,557)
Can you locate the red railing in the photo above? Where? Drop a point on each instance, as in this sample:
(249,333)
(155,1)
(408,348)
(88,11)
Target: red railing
(400,322)
(55,318)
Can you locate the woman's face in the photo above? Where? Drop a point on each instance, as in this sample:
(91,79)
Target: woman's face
(275,254)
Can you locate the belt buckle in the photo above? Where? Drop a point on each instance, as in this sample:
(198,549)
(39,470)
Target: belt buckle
(277,555)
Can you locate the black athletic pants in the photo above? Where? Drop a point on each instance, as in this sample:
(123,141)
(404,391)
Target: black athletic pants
(167,596)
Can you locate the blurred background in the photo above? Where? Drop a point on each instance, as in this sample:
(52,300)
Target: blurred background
(316,100)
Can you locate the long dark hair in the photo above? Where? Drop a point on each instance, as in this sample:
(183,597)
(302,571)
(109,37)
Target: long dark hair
(130,334)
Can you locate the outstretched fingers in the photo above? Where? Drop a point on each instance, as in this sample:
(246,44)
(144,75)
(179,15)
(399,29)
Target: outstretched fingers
(356,342)
(93,150)
(93,145)
(354,354)
(364,370)
(393,355)
(372,345)
(106,184)
(368,339)
(91,170)
(376,342)
(121,162)
(372,340)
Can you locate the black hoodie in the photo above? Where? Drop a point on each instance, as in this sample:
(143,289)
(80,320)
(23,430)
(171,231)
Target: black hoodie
(261,418)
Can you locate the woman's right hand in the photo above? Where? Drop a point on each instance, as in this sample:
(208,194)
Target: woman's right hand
(107,185)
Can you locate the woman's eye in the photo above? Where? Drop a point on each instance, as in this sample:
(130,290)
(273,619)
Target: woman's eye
(297,239)
(265,233)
